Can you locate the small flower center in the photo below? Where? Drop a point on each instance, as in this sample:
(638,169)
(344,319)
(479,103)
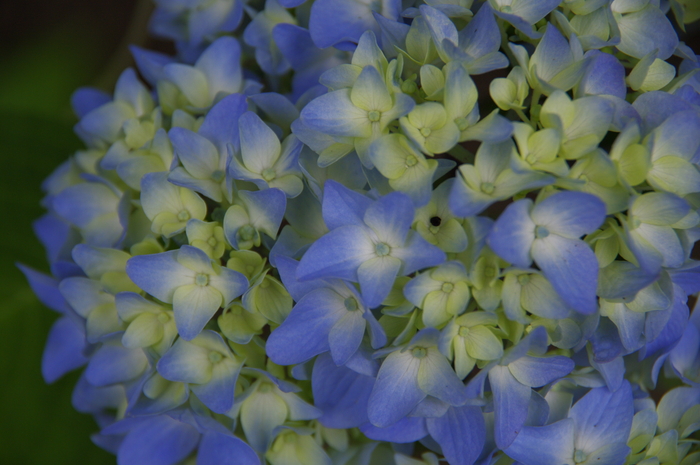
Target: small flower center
(447,287)
(541,232)
(163,318)
(411,160)
(419,352)
(425,132)
(212,241)
(506,9)
(265,388)
(201,279)
(249,269)
(246,233)
(635,222)
(461,123)
(374,116)
(579,456)
(523,279)
(268,174)
(489,272)
(183,215)
(463,331)
(351,304)
(487,188)
(215,357)
(218,175)
(382,249)
(409,87)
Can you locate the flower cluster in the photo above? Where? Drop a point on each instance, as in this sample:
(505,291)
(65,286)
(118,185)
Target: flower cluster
(351,251)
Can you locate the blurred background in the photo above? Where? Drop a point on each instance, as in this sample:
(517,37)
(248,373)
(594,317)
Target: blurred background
(49,48)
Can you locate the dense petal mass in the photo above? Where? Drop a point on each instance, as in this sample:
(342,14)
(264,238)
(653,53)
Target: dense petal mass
(333,245)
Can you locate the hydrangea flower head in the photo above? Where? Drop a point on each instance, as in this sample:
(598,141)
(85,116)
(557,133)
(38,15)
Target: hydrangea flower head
(386,233)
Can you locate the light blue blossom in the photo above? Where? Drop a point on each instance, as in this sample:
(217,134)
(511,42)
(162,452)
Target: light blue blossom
(195,285)
(361,113)
(329,315)
(595,431)
(215,74)
(643,28)
(107,123)
(254,213)
(204,154)
(369,242)
(513,378)
(98,208)
(266,405)
(555,64)
(262,160)
(207,365)
(409,375)
(490,179)
(148,323)
(549,233)
(442,293)
(476,47)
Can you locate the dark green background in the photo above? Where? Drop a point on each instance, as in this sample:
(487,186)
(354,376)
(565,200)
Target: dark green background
(47,49)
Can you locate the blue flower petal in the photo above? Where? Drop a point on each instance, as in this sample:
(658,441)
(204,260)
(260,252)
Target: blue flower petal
(160,440)
(376,277)
(338,254)
(158,274)
(417,254)
(569,214)
(217,393)
(544,445)
(86,99)
(572,268)
(513,233)
(390,218)
(221,123)
(335,114)
(64,349)
(346,335)
(113,363)
(341,394)
(45,288)
(408,429)
(396,391)
(603,417)
(305,331)
(510,402)
(342,206)
(538,371)
(461,433)
(223,449)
